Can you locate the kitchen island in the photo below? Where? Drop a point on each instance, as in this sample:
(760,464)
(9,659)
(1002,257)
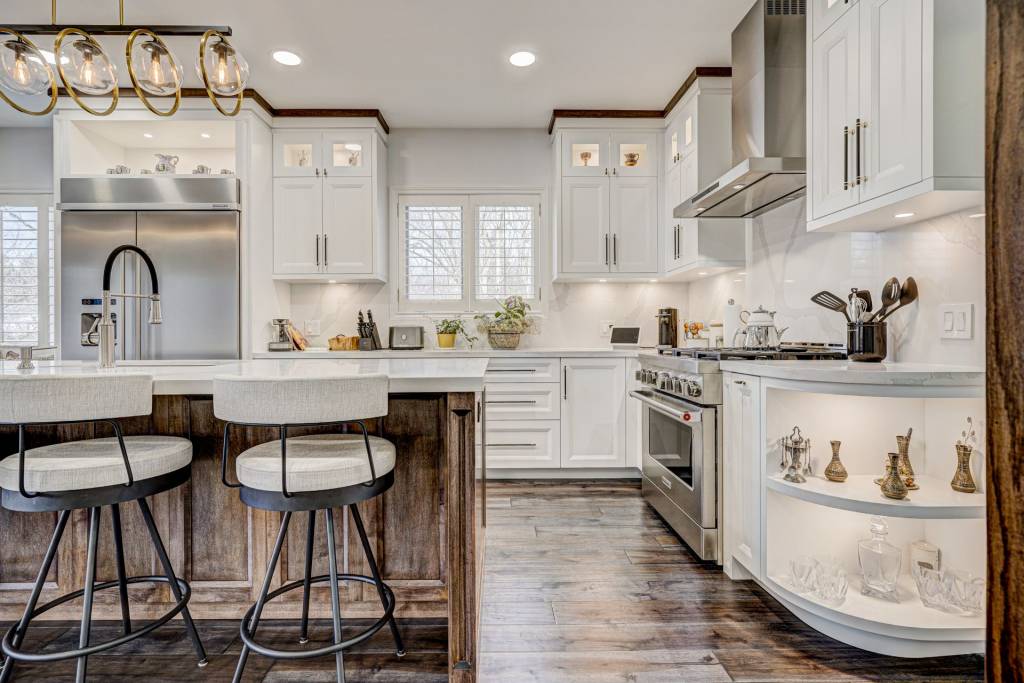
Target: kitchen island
(425,530)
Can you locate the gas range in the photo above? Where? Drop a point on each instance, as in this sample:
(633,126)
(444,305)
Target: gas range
(695,375)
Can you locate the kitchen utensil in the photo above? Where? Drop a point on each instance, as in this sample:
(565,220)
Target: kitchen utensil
(760,331)
(866,296)
(796,453)
(866,342)
(832,302)
(908,295)
(890,296)
(373,334)
(361,326)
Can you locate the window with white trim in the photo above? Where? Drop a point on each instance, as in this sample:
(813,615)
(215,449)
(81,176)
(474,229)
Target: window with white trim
(462,253)
(27,289)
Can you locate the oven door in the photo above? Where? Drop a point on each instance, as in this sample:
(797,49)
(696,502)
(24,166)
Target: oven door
(679,453)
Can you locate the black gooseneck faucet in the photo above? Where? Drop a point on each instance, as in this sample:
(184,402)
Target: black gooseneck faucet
(107,321)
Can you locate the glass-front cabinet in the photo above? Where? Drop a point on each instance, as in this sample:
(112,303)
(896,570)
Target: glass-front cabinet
(297,153)
(347,153)
(603,153)
(585,153)
(302,153)
(634,154)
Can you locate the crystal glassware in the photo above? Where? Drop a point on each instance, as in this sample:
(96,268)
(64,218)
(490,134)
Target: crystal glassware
(832,582)
(926,555)
(879,562)
(802,571)
(931,588)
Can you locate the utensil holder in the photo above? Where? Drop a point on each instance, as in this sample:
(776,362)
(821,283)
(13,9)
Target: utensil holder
(866,342)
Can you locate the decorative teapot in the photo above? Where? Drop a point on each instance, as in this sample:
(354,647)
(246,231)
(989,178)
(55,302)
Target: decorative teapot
(759,331)
(166,163)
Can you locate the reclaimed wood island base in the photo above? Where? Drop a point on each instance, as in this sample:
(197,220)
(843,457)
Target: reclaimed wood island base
(425,530)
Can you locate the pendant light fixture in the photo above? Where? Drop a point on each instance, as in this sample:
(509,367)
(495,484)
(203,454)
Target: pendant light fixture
(223,70)
(153,69)
(24,71)
(85,69)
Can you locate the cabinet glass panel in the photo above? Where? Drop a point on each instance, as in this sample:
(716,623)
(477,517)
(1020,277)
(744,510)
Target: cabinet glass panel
(633,155)
(586,154)
(297,155)
(347,154)
(674,145)
(688,131)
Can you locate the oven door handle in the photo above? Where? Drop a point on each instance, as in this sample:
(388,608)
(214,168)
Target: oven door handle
(665,409)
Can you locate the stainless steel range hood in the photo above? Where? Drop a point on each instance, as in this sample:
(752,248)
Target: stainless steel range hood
(768,116)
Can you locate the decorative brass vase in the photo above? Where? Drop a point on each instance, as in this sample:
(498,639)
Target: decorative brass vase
(905,468)
(963,480)
(893,485)
(835,470)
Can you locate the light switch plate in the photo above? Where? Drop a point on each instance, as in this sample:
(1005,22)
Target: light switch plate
(313,328)
(956,321)
(606,327)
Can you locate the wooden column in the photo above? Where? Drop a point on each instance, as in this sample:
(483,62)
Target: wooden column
(1004,208)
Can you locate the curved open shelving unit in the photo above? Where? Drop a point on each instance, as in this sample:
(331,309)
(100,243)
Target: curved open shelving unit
(905,629)
(859,493)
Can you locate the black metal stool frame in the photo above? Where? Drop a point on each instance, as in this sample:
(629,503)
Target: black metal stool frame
(95,499)
(310,502)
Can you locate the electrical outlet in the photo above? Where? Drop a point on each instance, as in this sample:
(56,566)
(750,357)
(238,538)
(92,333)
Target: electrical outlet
(956,321)
(312,328)
(606,327)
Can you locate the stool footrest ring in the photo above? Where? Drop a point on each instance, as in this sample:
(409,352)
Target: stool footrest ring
(247,636)
(37,657)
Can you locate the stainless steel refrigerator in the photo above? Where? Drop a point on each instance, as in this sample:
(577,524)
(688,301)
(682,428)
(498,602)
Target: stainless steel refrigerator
(189,227)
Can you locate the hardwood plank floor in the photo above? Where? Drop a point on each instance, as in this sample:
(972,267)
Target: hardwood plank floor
(583,584)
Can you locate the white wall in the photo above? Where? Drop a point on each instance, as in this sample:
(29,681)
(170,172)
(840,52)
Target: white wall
(461,159)
(786,265)
(26,160)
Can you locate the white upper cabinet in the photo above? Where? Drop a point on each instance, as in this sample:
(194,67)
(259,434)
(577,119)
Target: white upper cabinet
(607,204)
(896,111)
(593,412)
(330,219)
(834,67)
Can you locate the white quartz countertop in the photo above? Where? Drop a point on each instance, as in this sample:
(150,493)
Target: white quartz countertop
(848,372)
(416,375)
(482,352)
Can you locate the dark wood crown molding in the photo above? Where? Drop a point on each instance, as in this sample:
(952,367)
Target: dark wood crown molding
(719,71)
(256,97)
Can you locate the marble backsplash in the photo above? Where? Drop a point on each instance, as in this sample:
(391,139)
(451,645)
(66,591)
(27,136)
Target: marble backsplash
(786,265)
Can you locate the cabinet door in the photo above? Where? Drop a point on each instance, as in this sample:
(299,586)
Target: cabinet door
(347,153)
(834,93)
(593,412)
(348,225)
(585,242)
(585,153)
(673,144)
(742,467)
(825,12)
(673,197)
(298,153)
(634,225)
(634,154)
(891,58)
(298,225)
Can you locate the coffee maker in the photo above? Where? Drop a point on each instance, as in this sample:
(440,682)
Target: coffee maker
(668,328)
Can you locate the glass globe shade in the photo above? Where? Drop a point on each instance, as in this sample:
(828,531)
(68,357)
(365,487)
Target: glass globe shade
(23,68)
(155,68)
(226,70)
(88,69)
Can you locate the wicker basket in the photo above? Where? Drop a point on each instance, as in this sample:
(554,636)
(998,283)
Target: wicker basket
(504,340)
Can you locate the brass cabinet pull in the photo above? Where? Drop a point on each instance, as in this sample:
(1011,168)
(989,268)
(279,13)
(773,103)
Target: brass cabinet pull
(860,178)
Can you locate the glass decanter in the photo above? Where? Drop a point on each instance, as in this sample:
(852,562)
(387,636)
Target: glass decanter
(879,562)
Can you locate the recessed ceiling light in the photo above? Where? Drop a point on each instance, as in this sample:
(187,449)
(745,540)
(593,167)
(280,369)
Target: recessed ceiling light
(332,282)
(205,136)
(148,136)
(742,272)
(522,59)
(287,58)
(652,280)
(908,214)
(703,272)
(977,215)
(602,281)
(739,279)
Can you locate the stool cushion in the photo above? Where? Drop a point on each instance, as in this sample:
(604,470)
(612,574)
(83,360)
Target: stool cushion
(315,463)
(78,465)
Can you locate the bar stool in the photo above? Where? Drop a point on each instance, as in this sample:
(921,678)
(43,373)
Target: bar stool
(92,474)
(308,474)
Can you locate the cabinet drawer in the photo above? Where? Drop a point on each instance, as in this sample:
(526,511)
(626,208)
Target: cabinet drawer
(523,370)
(522,401)
(523,444)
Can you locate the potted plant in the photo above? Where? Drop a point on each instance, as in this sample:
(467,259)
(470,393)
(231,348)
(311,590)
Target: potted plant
(447,330)
(506,326)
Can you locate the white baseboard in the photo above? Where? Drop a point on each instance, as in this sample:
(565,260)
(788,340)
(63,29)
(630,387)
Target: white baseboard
(574,473)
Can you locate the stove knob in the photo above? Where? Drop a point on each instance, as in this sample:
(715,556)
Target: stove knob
(693,388)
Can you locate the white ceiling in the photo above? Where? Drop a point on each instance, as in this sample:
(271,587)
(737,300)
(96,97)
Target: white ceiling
(444,63)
